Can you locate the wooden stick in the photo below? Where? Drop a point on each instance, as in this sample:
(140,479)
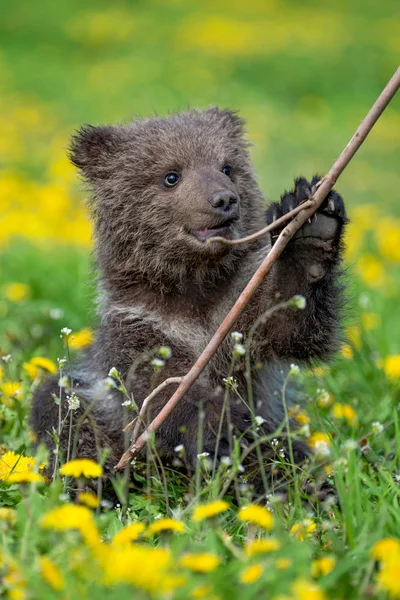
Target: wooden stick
(288,232)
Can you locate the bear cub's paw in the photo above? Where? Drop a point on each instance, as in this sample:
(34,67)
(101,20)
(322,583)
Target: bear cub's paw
(327,222)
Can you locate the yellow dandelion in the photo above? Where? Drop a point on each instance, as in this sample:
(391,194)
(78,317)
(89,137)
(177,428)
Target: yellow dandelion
(329,470)
(16,463)
(38,364)
(80,339)
(73,516)
(200,563)
(347,351)
(256,515)
(388,577)
(385,549)
(81,467)
(8,514)
(262,546)
(51,573)
(162,525)
(128,534)
(209,510)
(251,574)
(299,415)
(322,566)
(371,270)
(283,563)
(320,444)
(16,292)
(324,399)
(344,411)
(89,499)
(391,366)
(11,389)
(24,477)
(370,320)
(307,590)
(304,529)
(388,235)
(202,591)
(353,333)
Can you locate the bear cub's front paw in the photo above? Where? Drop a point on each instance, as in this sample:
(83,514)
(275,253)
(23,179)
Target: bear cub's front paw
(327,222)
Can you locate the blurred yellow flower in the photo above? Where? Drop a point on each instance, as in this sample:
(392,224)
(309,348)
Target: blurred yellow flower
(8,514)
(307,590)
(300,415)
(202,591)
(388,577)
(251,574)
(370,320)
(388,236)
(38,363)
(209,510)
(320,443)
(304,529)
(51,573)
(262,546)
(11,389)
(72,516)
(89,499)
(24,477)
(322,566)
(283,563)
(16,463)
(200,563)
(81,467)
(391,366)
(347,351)
(385,549)
(16,292)
(371,270)
(165,525)
(344,411)
(256,515)
(128,534)
(80,339)
(353,333)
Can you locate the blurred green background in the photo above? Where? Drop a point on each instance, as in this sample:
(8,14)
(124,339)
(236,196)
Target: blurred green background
(303,75)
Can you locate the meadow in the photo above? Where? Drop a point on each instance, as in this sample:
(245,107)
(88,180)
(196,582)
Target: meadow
(303,75)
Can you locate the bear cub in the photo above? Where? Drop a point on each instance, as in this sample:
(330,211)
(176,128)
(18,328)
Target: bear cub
(159,188)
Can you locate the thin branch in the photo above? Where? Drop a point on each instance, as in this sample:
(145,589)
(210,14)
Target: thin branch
(285,236)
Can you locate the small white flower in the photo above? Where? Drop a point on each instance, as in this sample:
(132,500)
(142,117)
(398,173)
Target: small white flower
(56,314)
(226,460)
(165,352)
(294,369)
(323,398)
(157,363)
(364,301)
(179,448)
(299,302)
(305,430)
(259,420)
(236,337)
(65,331)
(203,455)
(73,402)
(281,453)
(274,443)
(113,373)
(239,350)
(321,449)
(64,382)
(128,403)
(350,445)
(397,478)
(241,468)
(109,382)
(61,362)
(377,427)
(7,358)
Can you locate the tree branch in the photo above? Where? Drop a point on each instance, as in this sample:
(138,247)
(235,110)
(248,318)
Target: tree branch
(288,232)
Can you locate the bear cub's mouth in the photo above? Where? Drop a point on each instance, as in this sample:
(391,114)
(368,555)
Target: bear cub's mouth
(223,229)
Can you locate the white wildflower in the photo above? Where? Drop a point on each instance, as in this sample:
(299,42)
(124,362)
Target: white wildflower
(109,382)
(64,382)
(61,362)
(321,449)
(7,358)
(65,331)
(157,363)
(350,445)
(299,302)
(56,314)
(377,427)
(259,420)
(179,448)
(226,460)
(239,350)
(294,369)
(236,337)
(73,402)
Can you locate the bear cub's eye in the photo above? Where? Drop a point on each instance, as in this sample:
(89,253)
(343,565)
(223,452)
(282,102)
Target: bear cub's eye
(227,171)
(171,179)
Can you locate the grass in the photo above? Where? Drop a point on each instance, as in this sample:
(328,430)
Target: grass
(303,76)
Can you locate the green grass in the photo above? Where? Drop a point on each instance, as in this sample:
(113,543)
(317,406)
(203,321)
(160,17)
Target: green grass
(303,93)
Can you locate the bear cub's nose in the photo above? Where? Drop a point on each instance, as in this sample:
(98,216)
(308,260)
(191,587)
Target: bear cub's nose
(225,202)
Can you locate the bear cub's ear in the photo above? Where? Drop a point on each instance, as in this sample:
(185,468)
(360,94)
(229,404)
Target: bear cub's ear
(92,149)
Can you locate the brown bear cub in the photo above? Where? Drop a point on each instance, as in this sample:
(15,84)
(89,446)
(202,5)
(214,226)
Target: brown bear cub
(160,187)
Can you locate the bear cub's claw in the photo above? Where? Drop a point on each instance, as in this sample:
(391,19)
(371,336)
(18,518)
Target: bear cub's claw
(324,225)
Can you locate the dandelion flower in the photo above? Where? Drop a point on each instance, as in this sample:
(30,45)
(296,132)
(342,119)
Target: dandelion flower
(141,566)
(344,411)
(385,549)
(347,351)
(304,529)
(72,516)
(209,510)
(81,467)
(251,574)
(283,563)
(8,514)
(256,515)
(202,591)
(262,546)
(12,462)
(11,389)
(200,563)
(16,292)
(128,534)
(162,525)
(24,477)
(80,339)
(89,499)
(370,320)
(51,574)
(307,590)
(388,577)
(323,566)
(391,366)
(38,363)
(320,443)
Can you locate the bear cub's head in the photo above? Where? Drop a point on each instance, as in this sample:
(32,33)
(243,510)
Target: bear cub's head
(161,187)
